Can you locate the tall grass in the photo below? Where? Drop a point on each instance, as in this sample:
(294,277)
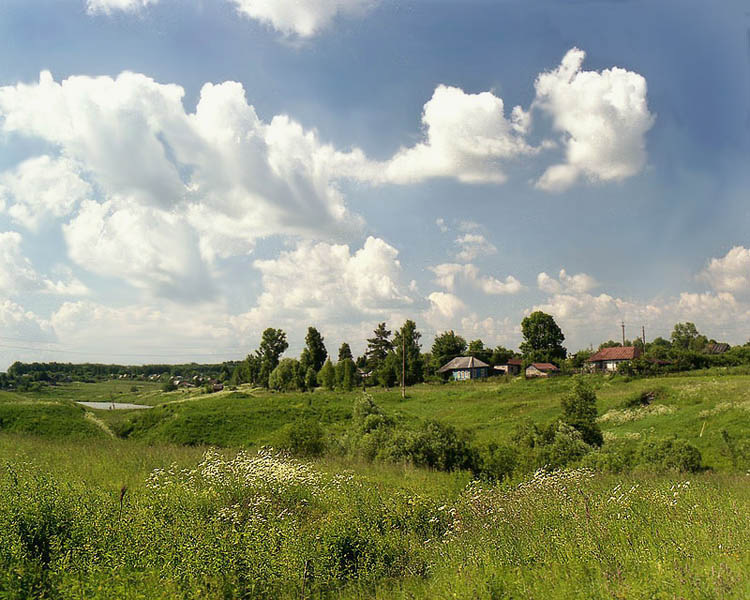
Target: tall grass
(215,524)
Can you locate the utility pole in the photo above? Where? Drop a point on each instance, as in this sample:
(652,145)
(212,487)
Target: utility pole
(623,333)
(643,332)
(403,364)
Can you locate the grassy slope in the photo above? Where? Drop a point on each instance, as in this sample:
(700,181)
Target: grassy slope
(392,532)
(492,409)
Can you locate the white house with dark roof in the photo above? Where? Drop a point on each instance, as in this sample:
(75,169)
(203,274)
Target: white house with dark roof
(462,368)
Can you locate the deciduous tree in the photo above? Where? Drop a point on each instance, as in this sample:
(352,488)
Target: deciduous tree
(542,339)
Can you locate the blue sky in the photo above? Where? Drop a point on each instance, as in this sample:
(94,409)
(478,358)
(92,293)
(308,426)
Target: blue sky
(356,161)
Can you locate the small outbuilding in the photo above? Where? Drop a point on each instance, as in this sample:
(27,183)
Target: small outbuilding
(462,368)
(541,370)
(607,359)
(512,367)
(717,348)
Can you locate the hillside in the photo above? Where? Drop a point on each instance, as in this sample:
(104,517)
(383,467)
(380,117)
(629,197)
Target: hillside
(696,407)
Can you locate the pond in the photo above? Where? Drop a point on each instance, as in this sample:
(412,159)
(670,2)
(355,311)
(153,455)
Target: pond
(111,405)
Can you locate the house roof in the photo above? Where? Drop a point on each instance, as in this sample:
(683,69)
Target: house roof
(716,348)
(515,361)
(544,366)
(616,353)
(462,362)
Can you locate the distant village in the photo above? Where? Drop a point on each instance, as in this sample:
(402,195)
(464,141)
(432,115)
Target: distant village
(397,358)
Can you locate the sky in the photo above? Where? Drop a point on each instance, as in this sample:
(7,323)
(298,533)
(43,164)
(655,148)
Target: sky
(178,175)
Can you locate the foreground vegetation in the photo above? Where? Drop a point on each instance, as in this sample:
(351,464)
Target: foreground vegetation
(107,518)
(132,504)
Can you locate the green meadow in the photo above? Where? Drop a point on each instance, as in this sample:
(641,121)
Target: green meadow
(186,500)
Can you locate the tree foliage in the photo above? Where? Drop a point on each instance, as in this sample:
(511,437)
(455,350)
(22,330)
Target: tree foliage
(447,346)
(579,411)
(478,350)
(346,374)
(542,339)
(272,345)
(327,375)
(345,352)
(314,354)
(406,343)
(685,336)
(378,347)
(287,376)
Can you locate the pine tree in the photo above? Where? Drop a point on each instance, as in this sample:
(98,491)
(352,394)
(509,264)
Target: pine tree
(409,334)
(345,352)
(378,347)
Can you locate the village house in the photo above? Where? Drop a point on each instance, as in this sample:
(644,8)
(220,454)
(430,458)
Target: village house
(607,359)
(512,367)
(541,370)
(465,367)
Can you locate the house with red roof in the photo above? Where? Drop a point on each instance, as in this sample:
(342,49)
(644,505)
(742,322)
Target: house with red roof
(608,359)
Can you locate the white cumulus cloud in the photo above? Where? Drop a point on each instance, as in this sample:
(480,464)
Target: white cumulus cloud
(303,18)
(42,188)
(730,273)
(467,137)
(576,284)
(472,246)
(17,275)
(448,274)
(217,179)
(603,117)
(328,283)
(110,6)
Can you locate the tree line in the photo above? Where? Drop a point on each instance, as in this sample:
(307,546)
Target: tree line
(391,357)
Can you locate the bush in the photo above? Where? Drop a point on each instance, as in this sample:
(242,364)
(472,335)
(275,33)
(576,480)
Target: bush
(568,446)
(304,438)
(434,445)
(497,462)
(672,453)
(168,386)
(579,411)
(613,457)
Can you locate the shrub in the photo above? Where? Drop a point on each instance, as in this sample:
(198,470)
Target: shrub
(613,457)
(434,445)
(672,453)
(579,411)
(497,462)
(304,438)
(568,446)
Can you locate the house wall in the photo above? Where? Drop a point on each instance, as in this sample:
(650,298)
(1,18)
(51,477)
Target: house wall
(534,372)
(464,374)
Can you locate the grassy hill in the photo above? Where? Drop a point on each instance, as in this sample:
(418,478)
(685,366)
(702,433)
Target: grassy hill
(696,407)
(86,514)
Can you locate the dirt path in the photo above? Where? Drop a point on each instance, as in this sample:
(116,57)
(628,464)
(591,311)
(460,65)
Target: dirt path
(99,423)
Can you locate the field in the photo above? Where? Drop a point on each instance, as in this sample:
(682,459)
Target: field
(85,513)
